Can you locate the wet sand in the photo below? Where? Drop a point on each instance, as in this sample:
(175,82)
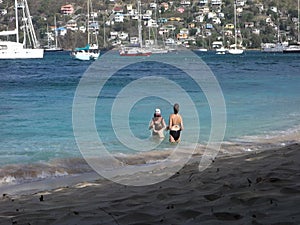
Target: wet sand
(261,187)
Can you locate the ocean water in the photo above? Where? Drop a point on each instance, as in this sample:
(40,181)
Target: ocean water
(261,93)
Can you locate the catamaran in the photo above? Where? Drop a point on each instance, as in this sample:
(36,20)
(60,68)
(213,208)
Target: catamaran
(30,48)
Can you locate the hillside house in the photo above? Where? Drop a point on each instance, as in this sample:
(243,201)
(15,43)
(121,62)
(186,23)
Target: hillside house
(67,9)
(72,25)
(274,9)
(117,9)
(249,24)
(240,3)
(164,5)
(153,5)
(216,2)
(216,20)
(185,3)
(183,34)
(119,18)
(203,2)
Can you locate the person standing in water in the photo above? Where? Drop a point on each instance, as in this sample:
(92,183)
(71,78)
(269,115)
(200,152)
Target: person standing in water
(157,124)
(175,125)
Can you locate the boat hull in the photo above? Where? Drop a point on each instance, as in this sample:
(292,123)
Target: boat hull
(292,49)
(85,56)
(135,52)
(236,51)
(14,50)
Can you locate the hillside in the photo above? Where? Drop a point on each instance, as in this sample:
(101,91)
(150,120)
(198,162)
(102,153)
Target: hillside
(43,12)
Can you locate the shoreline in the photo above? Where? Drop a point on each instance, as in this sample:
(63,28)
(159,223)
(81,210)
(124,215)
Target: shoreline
(260,187)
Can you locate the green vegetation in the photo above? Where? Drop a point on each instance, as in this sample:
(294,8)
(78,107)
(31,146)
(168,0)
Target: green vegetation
(43,12)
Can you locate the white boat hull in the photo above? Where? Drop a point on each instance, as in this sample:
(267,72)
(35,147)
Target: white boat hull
(235,51)
(292,49)
(14,50)
(85,56)
(135,52)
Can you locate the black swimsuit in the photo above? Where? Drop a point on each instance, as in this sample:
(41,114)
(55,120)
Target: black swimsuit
(175,134)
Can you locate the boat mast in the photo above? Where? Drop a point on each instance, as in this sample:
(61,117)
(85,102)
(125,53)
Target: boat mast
(298,23)
(55,31)
(140,24)
(35,43)
(17,21)
(88,20)
(235,30)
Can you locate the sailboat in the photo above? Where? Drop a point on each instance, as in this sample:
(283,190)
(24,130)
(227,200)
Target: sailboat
(29,49)
(235,50)
(50,47)
(140,50)
(91,51)
(295,48)
(277,47)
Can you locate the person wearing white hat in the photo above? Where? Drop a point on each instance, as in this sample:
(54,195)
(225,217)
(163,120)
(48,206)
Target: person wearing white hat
(157,124)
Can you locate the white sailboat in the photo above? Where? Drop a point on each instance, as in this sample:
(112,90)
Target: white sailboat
(140,50)
(29,49)
(234,50)
(50,47)
(91,51)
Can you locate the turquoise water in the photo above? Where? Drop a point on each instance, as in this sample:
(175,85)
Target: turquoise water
(261,93)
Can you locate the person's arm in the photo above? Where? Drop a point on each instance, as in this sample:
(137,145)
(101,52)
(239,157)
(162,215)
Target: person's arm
(164,124)
(181,123)
(170,122)
(151,125)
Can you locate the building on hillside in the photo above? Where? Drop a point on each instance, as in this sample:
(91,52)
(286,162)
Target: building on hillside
(117,9)
(203,2)
(216,2)
(249,24)
(183,34)
(72,25)
(119,18)
(164,5)
(185,3)
(67,9)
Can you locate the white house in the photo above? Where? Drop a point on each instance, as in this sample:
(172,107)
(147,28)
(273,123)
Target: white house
(221,15)
(199,18)
(216,20)
(134,40)
(123,36)
(240,3)
(153,5)
(216,2)
(3,12)
(211,15)
(152,23)
(273,9)
(185,3)
(113,35)
(119,18)
(256,31)
(72,25)
(170,41)
(203,2)
(146,17)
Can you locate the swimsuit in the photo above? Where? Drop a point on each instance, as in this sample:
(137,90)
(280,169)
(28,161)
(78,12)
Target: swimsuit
(175,134)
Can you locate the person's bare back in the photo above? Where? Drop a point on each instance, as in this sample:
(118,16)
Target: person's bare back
(175,125)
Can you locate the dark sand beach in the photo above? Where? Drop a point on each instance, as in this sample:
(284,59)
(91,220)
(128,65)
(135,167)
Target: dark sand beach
(261,187)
